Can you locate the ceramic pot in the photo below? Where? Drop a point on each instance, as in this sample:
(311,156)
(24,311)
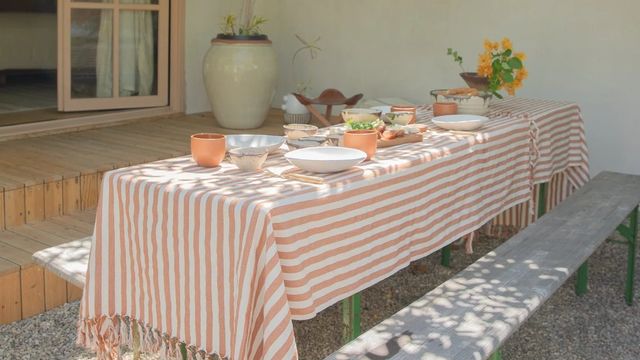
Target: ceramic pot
(406,108)
(240,78)
(475,81)
(365,140)
(445,108)
(208,150)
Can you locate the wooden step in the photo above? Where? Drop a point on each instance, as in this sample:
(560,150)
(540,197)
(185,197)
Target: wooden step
(27,288)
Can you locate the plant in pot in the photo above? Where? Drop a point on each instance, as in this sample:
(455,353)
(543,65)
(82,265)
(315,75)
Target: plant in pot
(294,111)
(499,68)
(240,71)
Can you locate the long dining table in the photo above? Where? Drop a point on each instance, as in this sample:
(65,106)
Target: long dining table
(223,260)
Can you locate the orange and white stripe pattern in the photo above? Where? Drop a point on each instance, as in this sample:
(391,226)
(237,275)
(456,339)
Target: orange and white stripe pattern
(223,260)
(559,156)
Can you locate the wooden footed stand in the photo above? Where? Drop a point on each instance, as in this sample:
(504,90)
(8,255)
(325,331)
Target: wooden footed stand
(328,98)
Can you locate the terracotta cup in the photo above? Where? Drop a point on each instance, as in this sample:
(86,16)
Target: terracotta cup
(365,140)
(403,108)
(207,149)
(445,108)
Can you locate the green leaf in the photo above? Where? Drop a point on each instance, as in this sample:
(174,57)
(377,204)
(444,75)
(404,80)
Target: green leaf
(508,52)
(507,76)
(515,63)
(449,51)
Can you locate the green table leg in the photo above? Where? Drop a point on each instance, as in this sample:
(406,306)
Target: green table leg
(631,235)
(583,279)
(496,355)
(183,351)
(542,199)
(136,340)
(445,259)
(351,318)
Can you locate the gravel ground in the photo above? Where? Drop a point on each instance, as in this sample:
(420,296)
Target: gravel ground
(596,326)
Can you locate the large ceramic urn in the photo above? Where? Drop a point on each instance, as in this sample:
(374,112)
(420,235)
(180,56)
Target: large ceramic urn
(240,78)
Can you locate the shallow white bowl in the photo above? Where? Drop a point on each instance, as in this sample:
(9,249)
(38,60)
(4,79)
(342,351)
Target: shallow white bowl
(460,122)
(399,117)
(269,142)
(325,159)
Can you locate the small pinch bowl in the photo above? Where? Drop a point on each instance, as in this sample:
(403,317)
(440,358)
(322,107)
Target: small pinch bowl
(297,131)
(248,159)
(359,114)
(406,108)
(208,149)
(399,117)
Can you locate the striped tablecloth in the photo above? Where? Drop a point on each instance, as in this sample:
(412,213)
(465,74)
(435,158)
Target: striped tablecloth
(224,260)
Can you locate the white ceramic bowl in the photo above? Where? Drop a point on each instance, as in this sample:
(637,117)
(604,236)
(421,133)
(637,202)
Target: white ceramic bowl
(297,131)
(248,159)
(460,122)
(399,117)
(356,114)
(383,109)
(269,142)
(467,104)
(326,159)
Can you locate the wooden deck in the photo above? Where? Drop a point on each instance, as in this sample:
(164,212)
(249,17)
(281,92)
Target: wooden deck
(48,176)
(49,188)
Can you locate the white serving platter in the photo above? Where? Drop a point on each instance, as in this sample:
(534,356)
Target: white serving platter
(269,142)
(325,159)
(460,122)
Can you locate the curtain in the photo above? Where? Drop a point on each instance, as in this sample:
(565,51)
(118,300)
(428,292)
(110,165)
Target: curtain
(137,64)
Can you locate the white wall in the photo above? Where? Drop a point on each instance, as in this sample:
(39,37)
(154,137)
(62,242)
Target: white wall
(578,50)
(28,41)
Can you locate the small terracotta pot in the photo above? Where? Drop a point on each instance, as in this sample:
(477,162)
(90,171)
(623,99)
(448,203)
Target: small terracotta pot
(365,140)
(407,108)
(207,149)
(445,108)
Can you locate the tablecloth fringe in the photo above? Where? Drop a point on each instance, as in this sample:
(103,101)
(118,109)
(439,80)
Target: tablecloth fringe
(107,334)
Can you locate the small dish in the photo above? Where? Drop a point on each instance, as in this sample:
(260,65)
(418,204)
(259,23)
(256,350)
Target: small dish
(383,109)
(297,131)
(460,122)
(269,142)
(326,159)
(360,115)
(248,159)
(399,117)
(406,108)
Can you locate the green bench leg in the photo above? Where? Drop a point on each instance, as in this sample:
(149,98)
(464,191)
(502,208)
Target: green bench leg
(351,318)
(496,355)
(183,351)
(631,235)
(445,259)
(542,199)
(136,342)
(582,280)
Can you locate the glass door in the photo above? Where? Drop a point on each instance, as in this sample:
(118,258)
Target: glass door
(113,54)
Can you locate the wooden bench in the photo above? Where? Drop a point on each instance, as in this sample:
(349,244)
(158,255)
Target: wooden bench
(471,315)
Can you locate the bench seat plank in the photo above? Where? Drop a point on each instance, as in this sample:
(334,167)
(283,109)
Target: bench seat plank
(472,314)
(69,261)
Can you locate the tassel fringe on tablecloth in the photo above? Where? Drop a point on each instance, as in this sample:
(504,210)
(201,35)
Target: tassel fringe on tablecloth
(106,336)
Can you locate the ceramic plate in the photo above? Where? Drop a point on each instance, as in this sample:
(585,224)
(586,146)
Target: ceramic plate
(268,142)
(460,122)
(325,159)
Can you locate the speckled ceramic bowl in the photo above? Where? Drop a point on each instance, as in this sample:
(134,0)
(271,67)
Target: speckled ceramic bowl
(467,104)
(248,159)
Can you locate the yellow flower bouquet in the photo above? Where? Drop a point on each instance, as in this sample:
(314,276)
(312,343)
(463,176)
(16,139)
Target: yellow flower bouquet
(499,67)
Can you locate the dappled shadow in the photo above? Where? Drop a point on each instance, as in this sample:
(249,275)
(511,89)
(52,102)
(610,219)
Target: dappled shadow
(469,316)
(69,260)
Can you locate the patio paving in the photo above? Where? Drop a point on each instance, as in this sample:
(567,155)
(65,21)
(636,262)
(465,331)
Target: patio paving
(596,326)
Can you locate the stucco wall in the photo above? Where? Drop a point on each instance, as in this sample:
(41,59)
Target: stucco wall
(578,50)
(28,41)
